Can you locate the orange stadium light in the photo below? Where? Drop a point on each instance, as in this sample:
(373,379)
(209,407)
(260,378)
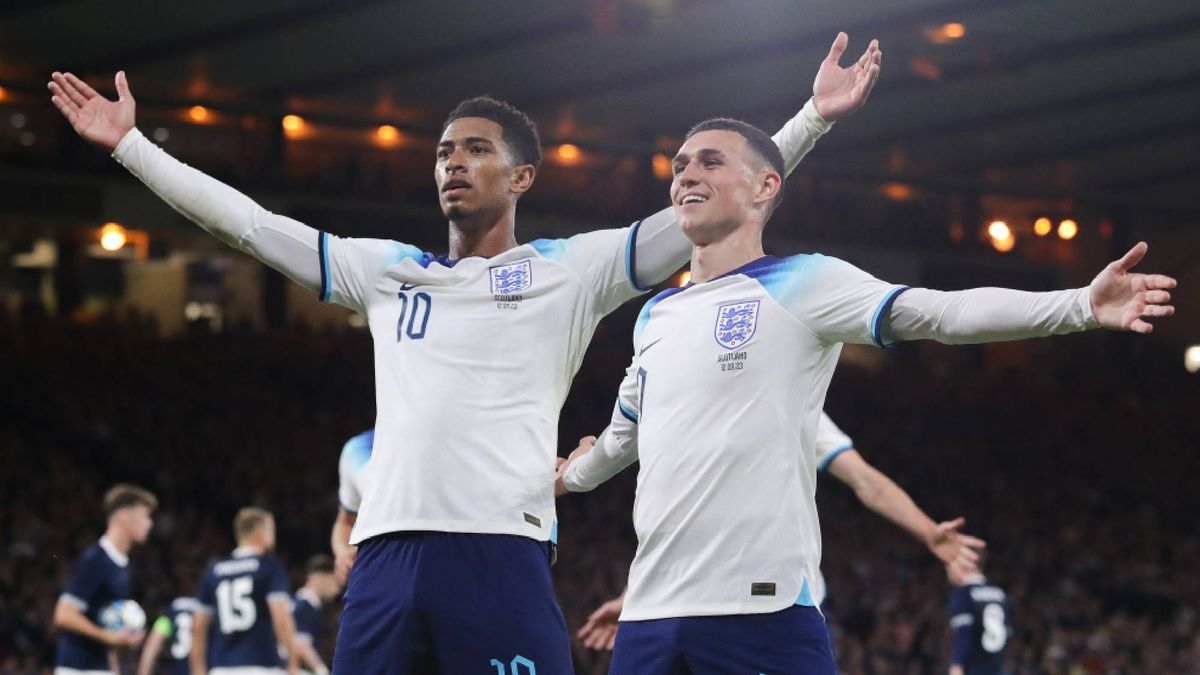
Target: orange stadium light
(661,165)
(1067,229)
(294,125)
(684,278)
(1042,227)
(113,237)
(954,31)
(3,93)
(387,135)
(897,192)
(568,153)
(999,229)
(199,114)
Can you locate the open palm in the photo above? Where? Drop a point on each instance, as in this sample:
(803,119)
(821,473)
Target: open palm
(1123,300)
(839,91)
(94,117)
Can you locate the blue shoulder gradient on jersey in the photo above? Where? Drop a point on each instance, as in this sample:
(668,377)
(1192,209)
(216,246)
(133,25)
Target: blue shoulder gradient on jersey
(400,252)
(788,277)
(785,278)
(556,249)
(644,316)
(357,451)
(824,465)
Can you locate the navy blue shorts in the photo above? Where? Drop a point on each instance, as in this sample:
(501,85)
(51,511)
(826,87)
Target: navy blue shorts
(439,602)
(793,641)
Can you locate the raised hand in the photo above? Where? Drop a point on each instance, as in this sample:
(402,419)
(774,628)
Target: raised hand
(954,548)
(1122,300)
(93,117)
(600,631)
(839,91)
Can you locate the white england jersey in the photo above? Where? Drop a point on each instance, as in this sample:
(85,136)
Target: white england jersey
(722,402)
(355,455)
(473,359)
(831,442)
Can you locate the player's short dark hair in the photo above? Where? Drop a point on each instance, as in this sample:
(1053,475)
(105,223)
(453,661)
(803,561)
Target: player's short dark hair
(249,519)
(320,563)
(519,132)
(124,495)
(757,139)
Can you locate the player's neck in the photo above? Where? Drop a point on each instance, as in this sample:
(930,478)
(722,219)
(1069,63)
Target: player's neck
(251,547)
(119,539)
(739,247)
(484,235)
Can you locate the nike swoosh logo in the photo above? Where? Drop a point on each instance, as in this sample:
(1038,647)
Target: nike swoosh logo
(647,347)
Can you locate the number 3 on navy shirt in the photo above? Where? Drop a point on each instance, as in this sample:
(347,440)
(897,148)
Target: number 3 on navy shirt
(417,309)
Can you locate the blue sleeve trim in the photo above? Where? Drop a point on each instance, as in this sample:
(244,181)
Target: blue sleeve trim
(881,313)
(629,414)
(323,254)
(824,465)
(631,258)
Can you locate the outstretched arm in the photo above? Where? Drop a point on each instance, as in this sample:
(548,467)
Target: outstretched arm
(1118,299)
(882,495)
(285,244)
(661,247)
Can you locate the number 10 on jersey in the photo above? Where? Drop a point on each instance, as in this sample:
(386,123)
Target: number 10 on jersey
(416,309)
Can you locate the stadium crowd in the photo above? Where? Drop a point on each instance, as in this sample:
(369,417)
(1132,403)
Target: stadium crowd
(1073,457)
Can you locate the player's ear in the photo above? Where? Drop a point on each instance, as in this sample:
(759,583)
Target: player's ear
(522,178)
(769,185)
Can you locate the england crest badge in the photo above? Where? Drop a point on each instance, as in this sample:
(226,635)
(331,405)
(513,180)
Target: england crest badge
(511,278)
(736,322)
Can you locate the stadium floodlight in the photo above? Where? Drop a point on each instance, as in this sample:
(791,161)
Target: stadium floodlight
(1067,229)
(113,237)
(1043,226)
(1191,358)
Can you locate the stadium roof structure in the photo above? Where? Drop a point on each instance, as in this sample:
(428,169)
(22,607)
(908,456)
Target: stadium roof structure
(1094,101)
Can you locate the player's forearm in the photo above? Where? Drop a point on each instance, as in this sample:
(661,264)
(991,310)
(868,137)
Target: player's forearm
(69,618)
(150,652)
(661,247)
(988,315)
(339,537)
(284,244)
(309,658)
(615,449)
(285,631)
(883,496)
(198,657)
(956,669)
(800,134)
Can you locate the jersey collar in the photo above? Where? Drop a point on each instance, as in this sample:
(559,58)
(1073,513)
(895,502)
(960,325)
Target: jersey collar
(244,551)
(110,549)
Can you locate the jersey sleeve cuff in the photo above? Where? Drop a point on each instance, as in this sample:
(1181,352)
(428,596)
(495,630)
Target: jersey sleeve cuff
(323,258)
(879,322)
(631,258)
(74,601)
(131,138)
(824,465)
